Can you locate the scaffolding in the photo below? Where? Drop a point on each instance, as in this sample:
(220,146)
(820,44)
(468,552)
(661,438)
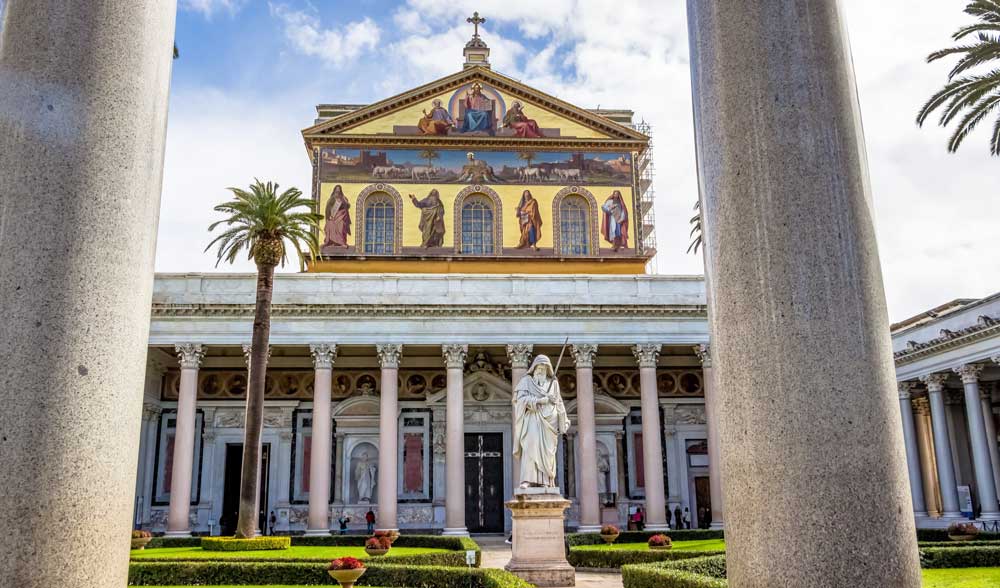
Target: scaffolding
(644,170)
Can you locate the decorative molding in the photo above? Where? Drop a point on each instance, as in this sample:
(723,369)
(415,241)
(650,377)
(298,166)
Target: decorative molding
(323,355)
(389,354)
(647,354)
(594,245)
(497,202)
(208,436)
(397,221)
(690,414)
(704,353)
(520,355)
(969,372)
(454,355)
(905,389)
(983,329)
(429,311)
(150,411)
(934,382)
(190,355)
(584,354)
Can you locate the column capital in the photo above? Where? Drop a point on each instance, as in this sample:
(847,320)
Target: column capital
(969,372)
(935,382)
(704,353)
(190,355)
(905,389)
(921,406)
(986,392)
(584,354)
(995,359)
(248,349)
(389,354)
(323,355)
(520,354)
(150,411)
(646,354)
(454,355)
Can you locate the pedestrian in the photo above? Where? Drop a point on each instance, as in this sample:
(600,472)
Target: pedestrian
(342,521)
(640,519)
(273,520)
(687,518)
(370,519)
(678,523)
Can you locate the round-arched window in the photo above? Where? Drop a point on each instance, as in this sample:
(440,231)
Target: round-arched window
(380,224)
(574,226)
(477,226)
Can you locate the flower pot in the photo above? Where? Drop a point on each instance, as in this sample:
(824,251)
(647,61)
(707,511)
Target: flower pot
(659,547)
(609,539)
(961,537)
(346,578)
(140,542)
(373,552)
(394,534)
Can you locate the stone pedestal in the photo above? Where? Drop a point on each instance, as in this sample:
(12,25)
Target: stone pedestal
(538,554)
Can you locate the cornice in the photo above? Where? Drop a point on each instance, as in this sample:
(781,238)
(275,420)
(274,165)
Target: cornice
(166,311)
(948,340)
(475,143)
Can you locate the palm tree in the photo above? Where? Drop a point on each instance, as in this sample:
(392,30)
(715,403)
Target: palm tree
(974,96)
(696,233)
(430,155)
(260,221)
(527,156)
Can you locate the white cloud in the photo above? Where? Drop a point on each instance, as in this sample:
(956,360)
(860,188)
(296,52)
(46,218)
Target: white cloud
(335,46)
(211,7)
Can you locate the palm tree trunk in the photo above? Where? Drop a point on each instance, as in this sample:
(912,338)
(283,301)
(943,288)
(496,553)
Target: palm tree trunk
(250,475)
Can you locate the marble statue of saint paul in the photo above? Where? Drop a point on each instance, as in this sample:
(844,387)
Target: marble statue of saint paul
(539,419)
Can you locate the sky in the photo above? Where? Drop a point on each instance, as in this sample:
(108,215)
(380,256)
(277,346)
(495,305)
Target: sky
(252,71)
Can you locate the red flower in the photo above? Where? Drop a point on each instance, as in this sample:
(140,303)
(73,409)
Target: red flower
(659,540)
(346,563)
(609,530)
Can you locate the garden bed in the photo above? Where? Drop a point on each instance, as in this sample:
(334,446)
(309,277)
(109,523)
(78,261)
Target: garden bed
(618,554)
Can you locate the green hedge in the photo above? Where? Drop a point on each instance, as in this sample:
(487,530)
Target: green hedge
(156,542)
(700,572)
(643,536)
(274,572)
(616,558)
(967,556)
(269,543)
(984,543)
(942,535)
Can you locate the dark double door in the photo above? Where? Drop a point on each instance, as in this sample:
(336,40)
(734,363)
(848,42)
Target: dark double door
(231,488)
(484,482)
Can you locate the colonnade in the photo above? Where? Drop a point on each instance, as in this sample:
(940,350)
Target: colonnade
(324,355)
(929,450)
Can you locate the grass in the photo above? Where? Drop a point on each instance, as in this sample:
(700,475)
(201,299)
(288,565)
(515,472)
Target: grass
(702,545)
(962,578)
(295,552)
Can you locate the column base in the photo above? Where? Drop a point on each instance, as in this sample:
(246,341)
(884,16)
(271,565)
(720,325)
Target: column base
(654,527)
(179,534)
(455,531)
(953,516)
(716,526)
(920,514)
(588,529)
(989,516)
(317,533)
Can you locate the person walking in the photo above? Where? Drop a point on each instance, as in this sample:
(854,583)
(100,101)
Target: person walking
(272,521)
(640,519)
(342,521)
(370,519)
(687,518)
(678,523)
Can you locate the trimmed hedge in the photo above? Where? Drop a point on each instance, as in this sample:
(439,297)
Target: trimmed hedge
(456,544)
(174,542)
(616,558)
(985,543)
(643,536)
(942,535)
(700,572)
(270,543)
(966,556)
(274,572)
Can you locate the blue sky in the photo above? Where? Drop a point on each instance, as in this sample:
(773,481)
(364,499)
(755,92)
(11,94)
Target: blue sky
(252,71)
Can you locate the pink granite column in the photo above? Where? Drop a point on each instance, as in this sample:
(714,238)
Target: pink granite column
(319,459)
(388,356)
(454,356)
(652,453)
(712,426)
(178,523)
(590,517)
(520,359)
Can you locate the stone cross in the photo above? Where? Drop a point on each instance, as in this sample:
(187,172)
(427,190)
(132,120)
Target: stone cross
(476,21)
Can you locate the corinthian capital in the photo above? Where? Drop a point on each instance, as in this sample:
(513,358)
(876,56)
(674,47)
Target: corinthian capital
(389,354)
(935,382)
(520,355)
(323,355)
(454,355)
(921,406)
(584,354)
(704,353)
(905,389)
(248,350)
(190,355)
(969,372)
(646,354)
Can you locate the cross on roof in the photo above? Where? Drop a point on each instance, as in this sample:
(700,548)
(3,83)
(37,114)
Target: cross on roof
(476,21)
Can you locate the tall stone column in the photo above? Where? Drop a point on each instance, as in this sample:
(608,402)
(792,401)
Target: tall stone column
(83,97)
(799,331)
(388,431)
(986,399)
(985,486)
(652,455)
(454,459)
(338,469)
(322,441)
(712,429)
(912,452)
(520,358)
(928,463)
(178,523)
(151,412)
(942,445)
(586,427)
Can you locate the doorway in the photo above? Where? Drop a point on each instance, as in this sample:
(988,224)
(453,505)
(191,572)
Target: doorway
(231,488)
(703,501)
(484,482)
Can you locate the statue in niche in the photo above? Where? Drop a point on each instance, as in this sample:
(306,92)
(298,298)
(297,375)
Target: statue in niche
(431,219)
(539,419)
(338,219)
(365,476)
(603,471)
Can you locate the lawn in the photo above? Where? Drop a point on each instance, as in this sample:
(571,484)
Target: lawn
(962,578)
(702,545)
(300,552)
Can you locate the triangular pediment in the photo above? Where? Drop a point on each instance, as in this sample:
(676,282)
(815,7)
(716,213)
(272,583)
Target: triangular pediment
(400,116)
(479,388)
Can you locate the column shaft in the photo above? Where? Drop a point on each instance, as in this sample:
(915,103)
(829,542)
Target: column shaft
(590,516)
(799,326)
(652,453)
(338,469)
(942,447)
(178,523)
(520,359)
(985,486)
(928,463)
(991,435)
(322,442)
(455,443)
(388,437)
(712,429)
(912,452)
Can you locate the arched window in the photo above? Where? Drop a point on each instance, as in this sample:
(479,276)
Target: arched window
(380,224)
(477,226)
(574,226)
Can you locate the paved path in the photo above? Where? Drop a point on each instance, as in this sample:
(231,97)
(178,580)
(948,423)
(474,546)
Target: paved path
(496,554)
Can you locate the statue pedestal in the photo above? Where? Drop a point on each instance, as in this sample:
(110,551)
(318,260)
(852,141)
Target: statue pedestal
(539,554)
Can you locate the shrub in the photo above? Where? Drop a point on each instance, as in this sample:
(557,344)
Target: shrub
(609,530)
(963,529)
(141,534)
(157,542)
(345,563)
(942,535)
(660,540)
(964,556)
(700,572)
(642,536)
(252,544)
(616,558)
(378,543)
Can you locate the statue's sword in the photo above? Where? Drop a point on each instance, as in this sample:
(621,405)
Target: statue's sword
(555,375)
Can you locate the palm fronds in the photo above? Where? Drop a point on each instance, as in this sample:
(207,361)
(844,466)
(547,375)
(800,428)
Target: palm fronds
(973,96)
(261,218)
(696,231)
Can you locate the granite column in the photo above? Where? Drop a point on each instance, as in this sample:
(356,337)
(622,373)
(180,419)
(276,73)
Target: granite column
(520,358)
(912,452)
(178,524)
(454,458)
(985,485)
(586,426)
(388,432)
(712,429)
(652,454)
(942,446)
(928,463)
(322,440)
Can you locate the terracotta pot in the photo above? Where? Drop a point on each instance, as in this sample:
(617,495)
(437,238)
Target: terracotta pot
(609,539)
(346,578)
(961,537)
(140,543)
(376,551)
(394,534)
(660,547)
